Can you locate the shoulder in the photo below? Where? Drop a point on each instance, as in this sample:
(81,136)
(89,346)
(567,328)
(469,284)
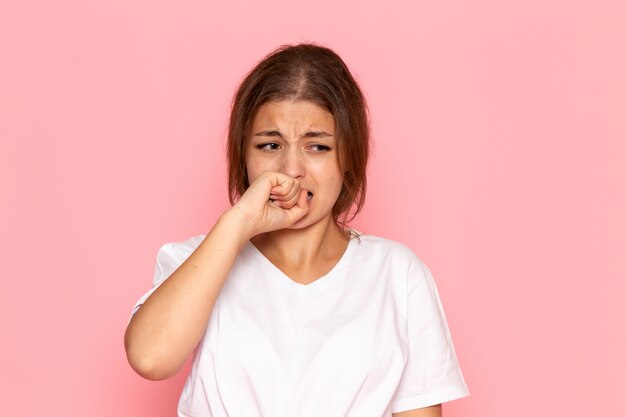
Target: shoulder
(383,247)
(182,247)
(395,255)
(172,254)
(381,244)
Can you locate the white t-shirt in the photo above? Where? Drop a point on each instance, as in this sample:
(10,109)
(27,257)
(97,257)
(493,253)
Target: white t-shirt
(366,340)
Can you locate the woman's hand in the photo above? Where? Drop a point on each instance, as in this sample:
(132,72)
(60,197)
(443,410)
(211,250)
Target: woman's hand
(273,201)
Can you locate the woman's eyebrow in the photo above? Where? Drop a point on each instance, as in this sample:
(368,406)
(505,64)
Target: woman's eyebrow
(316,134)
(268,133)
(309,134)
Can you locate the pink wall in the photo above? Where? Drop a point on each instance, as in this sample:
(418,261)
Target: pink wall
(500,146)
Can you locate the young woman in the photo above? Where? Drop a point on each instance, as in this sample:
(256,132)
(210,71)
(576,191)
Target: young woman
(290,313)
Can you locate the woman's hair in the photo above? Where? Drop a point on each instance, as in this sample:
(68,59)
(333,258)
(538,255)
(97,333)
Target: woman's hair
(305,72)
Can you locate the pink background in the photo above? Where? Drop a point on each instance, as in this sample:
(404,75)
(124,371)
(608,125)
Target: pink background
(499,157)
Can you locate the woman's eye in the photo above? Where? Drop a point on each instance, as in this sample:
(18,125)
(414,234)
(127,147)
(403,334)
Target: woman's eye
(320,148)
(268,146)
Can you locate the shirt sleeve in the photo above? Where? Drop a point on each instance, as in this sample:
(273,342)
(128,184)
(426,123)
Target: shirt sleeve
(432,374)
(169,257)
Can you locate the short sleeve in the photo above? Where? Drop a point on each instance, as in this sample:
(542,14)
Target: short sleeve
(169,257)
(432,374)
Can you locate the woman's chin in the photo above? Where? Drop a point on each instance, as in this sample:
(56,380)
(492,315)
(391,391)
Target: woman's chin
(307,221)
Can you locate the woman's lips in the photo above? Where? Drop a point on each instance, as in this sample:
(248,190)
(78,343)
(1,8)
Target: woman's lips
(309,196)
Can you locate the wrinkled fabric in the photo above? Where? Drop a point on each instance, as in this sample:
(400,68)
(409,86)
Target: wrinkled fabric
(368,339)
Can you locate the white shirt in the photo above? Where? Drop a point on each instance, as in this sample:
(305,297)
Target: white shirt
(366,340)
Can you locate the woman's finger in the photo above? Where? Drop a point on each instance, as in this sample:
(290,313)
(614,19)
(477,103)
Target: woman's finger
(293,199)
(300,209)
(285,187)
(291,196)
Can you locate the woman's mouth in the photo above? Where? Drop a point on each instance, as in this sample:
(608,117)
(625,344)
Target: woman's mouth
(309,196)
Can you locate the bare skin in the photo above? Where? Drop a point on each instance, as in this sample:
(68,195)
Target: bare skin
(434,411)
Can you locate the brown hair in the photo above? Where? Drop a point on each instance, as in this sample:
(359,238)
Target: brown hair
(313,73)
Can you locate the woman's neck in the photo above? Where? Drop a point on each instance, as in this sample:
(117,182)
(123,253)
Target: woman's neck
(304,254)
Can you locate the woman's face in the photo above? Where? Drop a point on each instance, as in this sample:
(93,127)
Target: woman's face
(297,138)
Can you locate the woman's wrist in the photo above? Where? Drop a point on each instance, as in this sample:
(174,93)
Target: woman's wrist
(238,223)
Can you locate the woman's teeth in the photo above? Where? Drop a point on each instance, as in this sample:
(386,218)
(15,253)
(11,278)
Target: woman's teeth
(309,196)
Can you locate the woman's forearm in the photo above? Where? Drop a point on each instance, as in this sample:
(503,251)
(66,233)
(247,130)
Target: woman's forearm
(169,325)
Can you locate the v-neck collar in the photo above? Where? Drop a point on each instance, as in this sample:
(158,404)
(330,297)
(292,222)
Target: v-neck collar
(320,284)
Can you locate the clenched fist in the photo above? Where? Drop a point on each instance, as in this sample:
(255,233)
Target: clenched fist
(273,201)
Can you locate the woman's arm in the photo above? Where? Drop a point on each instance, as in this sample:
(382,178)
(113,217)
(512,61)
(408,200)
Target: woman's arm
(168,326)
(170,323)
(434,411)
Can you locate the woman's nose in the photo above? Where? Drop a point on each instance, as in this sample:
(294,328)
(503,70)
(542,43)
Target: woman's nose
(293,164)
